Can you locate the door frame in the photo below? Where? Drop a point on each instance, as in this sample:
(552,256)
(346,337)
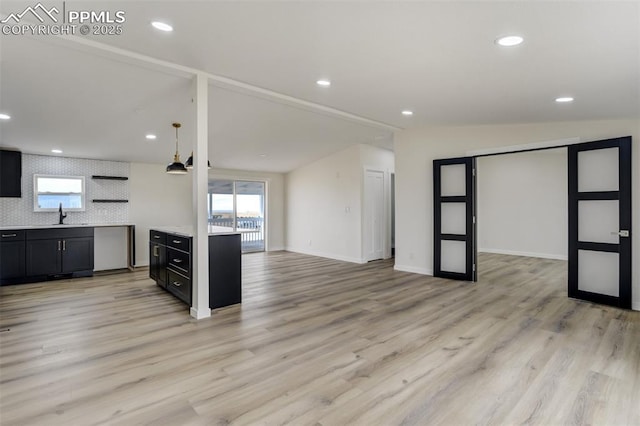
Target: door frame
(624,247)
(470,237)
(385,216)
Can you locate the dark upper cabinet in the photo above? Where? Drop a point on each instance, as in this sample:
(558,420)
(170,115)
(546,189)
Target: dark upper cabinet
(10,173)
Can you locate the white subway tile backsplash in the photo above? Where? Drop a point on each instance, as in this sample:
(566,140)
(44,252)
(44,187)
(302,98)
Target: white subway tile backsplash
(19,211)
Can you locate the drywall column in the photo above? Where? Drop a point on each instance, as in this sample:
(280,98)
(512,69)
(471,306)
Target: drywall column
(200,297)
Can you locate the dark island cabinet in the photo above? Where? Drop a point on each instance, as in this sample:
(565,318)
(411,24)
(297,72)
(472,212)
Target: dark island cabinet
(31,255)
(171,266)
(170,263)
(12,256)
(225,270)
(158,262)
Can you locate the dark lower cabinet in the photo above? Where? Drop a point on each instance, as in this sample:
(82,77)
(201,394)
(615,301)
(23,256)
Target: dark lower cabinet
(60,251)
(12,256)
(44,257)
(42,254)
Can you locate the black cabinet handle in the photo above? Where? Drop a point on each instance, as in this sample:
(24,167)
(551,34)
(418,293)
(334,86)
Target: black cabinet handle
(177,242)
(156,237)
(59,243)
(9,235)
(176,283)
(64,245)
(177,261)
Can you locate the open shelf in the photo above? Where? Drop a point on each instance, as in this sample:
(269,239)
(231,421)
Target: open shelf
(109,177)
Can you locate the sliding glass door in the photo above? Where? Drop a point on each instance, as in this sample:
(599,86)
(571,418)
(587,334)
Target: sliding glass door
(238,206)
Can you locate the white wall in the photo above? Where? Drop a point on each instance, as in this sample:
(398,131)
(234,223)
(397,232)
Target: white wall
(415,150)
(157,199)
(324,202)
(522,204)
(160,199)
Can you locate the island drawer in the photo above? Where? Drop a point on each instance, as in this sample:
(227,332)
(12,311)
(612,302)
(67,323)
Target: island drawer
(179,286)
(158,237)
(178,242)
(179,260)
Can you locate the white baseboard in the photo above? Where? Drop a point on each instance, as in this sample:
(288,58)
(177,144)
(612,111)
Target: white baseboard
(413,269)
(277,248)
(523,253)
(327,255)
(635,305)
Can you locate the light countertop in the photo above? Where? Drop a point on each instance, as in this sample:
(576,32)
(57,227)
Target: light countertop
(66,225)
(187,231)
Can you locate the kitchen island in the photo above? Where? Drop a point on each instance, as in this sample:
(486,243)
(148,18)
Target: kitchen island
(171,264)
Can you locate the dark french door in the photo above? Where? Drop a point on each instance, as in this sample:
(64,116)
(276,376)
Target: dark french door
(600,221)
(454,218)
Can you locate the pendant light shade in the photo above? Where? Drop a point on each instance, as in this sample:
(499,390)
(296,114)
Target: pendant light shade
(189,163)
(176,167)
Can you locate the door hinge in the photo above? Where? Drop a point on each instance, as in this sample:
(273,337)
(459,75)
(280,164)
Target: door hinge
(474,267)
(473,171)
(474,220)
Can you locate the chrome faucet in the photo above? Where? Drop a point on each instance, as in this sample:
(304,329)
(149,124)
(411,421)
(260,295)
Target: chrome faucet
(62,216)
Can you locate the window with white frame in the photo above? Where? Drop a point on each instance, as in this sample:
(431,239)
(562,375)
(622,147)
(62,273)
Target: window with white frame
(49,192)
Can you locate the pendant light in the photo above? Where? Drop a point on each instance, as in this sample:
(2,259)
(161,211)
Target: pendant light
(176,168)
(189,163)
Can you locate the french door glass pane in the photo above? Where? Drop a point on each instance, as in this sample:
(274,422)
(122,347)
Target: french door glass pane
(454,218)
(452,180)
(598,272)
(221,212)
(453,256)
(598,170)
(598,221)
(250,214)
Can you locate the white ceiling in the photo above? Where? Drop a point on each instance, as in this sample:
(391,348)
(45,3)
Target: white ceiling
(436,58)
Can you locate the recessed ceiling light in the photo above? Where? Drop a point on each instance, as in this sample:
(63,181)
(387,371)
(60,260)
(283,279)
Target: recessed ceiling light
(323,83)
(407,112)
(150,136)
(508,41)
(262,155)
(162,26)
(564,99)
(4,116)
(56,151)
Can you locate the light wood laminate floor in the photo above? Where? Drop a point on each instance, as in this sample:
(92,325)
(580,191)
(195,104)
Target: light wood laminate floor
(318,341)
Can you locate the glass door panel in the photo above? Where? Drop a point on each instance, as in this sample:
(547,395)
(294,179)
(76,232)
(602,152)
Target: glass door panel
(600,221)
(454,218)
(250,214)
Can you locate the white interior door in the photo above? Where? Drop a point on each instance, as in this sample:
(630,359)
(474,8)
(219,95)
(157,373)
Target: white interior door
(374,228)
